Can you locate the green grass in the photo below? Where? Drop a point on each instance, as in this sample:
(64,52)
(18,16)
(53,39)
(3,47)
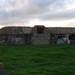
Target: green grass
(38,60)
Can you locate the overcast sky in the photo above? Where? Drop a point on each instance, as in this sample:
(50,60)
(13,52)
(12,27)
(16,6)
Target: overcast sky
(37,12)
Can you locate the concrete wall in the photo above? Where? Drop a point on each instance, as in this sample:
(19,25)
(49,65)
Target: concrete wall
(14,39)
(43,38)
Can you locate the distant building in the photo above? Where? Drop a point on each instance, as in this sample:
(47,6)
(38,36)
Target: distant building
(37,35)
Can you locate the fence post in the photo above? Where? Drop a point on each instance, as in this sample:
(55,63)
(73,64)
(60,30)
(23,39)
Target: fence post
(1,69)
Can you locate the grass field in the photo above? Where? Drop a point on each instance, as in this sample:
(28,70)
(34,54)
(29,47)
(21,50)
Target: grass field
(38,60)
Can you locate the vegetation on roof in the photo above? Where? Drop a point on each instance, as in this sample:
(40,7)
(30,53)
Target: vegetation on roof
(28,30)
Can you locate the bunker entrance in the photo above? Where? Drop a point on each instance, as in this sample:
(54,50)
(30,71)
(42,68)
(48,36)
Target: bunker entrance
(40,30)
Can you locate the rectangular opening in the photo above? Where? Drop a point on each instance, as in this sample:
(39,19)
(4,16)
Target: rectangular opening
(72,37)
(40,30)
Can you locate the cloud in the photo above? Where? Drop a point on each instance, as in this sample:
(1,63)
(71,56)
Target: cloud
(22,11)
(12,2)
(58,15)
(42,3)
(71,24)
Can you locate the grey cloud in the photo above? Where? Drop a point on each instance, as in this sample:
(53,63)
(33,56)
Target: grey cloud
(69,14)
(43,3)
(23,13)
(12,2)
